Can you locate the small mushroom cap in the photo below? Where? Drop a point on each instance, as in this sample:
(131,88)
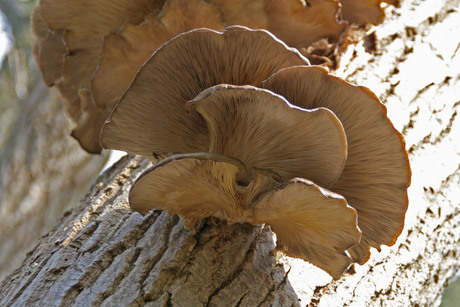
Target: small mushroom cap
(310,223)
(88,122)
(98,46)
(249,13)
(377,171)
(37,24)
(299,24)
(265,131)
(126,50)
(49,50)
(361,12)
(199,185)
(85,22)
(151,115)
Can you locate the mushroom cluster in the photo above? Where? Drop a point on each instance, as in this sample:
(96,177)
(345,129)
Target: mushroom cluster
(91,50)
(251,132)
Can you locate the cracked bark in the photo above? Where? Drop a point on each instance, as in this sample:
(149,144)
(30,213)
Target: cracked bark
(101,253)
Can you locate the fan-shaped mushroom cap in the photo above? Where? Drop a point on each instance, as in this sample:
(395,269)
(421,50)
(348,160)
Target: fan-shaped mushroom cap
(249,13)
(265,131)
(124,52)
(68,49)
(151,115)
(362,12)
(49,50)
(299,24)
(310,222)
(84,39)
(98,46)
(209,185)
(377,172)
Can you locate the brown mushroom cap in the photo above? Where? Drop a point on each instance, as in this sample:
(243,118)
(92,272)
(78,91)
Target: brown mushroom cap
(68,49)
(310,222)
(151,115)
(49,50)
(249,13)
(362,12)
(87,123)
(124,52)
(300,24)
(209,185)
(377,172)
(265,131)
(85,22)
(98,46)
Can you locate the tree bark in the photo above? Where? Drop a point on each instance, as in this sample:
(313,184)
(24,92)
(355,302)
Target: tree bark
(43,171)
(101,253)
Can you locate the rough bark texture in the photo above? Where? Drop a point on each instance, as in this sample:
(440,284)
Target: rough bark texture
(101,253)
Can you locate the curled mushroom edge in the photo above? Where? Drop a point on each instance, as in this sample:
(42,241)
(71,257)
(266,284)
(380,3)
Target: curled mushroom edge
(310,222)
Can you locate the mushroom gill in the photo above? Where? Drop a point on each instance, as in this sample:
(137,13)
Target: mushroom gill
(98,46)
(377,172)
(178,72)
(265,131)
(310,222)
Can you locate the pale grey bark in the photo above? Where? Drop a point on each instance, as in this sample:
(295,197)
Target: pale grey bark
(101,253)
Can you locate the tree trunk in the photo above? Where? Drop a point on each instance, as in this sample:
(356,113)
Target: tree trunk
(101,253)
(43,171)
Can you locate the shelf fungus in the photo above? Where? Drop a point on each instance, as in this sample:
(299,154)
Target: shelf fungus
(362,12)
(91,50)
(255,134)
(309,221)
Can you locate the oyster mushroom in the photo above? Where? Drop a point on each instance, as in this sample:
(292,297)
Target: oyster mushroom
(178,72)
(377,172)
(312,20)
(310,222)
(151,116)
(93,49)
(69,40)
(265,131)
(362,12)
